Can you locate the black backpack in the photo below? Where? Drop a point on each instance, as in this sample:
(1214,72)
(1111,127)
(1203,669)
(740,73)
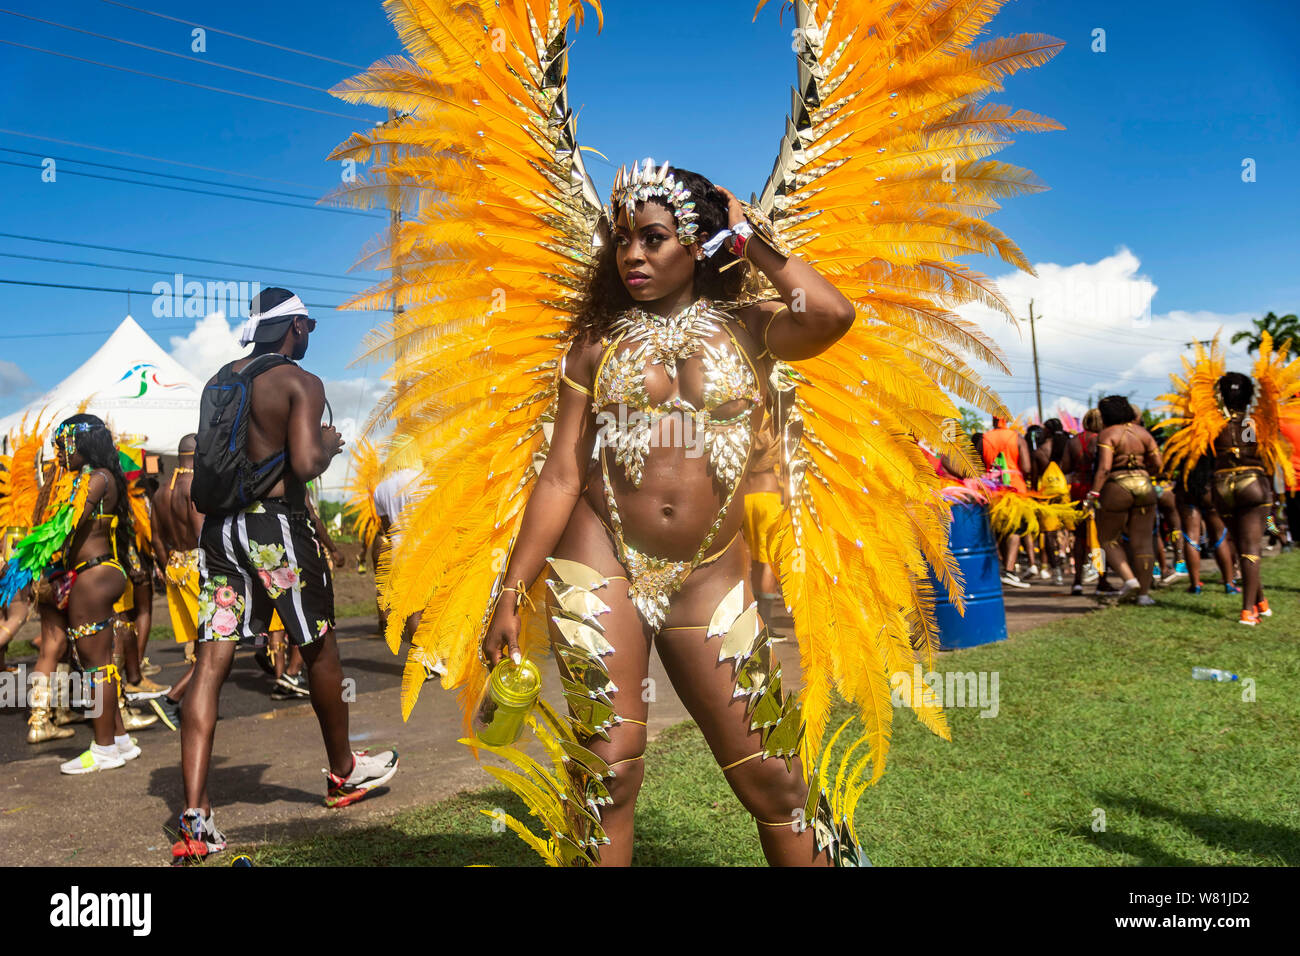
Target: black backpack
(225,480)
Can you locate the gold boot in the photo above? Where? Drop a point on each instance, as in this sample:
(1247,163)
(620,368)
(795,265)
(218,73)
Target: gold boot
(132,719)
(61,698)
(148,668)
(40,727)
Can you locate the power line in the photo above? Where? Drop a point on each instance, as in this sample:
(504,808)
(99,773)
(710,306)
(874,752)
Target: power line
(193,275)
(97,288)
(199,86)
(172,255)
(155,159)
(62,334)
(204,192)
(274,46)
(154,49)
(145,172)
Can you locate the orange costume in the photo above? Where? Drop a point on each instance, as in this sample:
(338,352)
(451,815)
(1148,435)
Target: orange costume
(1004,441)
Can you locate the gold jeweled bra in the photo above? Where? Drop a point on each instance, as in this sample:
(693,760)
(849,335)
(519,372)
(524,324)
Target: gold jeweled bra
(620,380)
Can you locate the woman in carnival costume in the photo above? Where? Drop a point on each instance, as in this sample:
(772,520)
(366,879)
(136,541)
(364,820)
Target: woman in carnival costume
(536,322)
(1123,496)
(1235,420)
(76,559)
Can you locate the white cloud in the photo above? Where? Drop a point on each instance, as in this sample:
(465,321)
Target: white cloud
(1096,334)
(352,401)
(13,379)
(212,344)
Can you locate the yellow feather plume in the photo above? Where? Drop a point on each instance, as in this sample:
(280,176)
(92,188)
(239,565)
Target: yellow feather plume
(1193,409)
(499,222)
(882,181)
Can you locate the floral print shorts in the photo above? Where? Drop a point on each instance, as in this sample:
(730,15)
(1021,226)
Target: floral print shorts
(264,559)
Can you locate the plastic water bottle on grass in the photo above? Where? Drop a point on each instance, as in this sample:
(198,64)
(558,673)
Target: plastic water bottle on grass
(1214,674)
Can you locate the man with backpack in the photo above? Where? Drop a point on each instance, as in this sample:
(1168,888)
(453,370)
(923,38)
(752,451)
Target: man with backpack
(260,441)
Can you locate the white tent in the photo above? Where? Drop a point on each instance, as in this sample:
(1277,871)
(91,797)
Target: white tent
(133,385)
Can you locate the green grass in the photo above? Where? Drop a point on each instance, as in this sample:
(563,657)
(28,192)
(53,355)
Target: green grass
(354,609)
(1096,713)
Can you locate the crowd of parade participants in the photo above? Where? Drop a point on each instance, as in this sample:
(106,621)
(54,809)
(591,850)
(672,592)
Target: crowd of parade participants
(95,527)
(1099,502)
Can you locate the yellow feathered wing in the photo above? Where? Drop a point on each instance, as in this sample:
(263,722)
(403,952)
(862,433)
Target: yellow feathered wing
(1192,405)
(1277,391)
(499,216)
(23,479)
(366,474)
(882,182)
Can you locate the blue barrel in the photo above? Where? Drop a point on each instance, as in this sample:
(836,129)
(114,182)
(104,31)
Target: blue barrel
(976,550)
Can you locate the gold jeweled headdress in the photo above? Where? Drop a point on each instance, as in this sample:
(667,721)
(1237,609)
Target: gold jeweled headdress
(643,183)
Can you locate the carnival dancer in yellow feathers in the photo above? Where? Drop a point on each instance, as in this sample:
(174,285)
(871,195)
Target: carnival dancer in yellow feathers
(1236,420)
(538,324)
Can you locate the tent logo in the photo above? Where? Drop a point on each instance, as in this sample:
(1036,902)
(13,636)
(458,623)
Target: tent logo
(145,375)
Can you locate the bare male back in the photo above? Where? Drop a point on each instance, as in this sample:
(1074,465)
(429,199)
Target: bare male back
(287,407)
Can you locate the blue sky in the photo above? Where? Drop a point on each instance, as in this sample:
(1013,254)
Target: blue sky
(1146,200)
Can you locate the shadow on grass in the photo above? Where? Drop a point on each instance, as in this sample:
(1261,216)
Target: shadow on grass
(1268,841)
(1199,610)
(1147,852)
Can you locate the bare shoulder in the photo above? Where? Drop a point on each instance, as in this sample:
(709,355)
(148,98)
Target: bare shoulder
(295,378)
(101,483)
(582,358)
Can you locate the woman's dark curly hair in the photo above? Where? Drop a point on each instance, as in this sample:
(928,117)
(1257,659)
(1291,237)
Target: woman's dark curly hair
(95,445)
(1116,410)
(605,297)
(1237,391)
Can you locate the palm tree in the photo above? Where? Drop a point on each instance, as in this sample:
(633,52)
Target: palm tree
(1285,332)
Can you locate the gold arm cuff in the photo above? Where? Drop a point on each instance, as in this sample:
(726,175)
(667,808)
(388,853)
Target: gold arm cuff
(572,384)
(767,349)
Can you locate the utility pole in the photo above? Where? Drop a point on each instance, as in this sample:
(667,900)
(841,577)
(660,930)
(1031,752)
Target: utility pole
(1033,338)
(395,220)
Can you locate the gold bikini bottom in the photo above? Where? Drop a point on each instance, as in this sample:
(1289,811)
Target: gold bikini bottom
(1138,484)
(1229,483)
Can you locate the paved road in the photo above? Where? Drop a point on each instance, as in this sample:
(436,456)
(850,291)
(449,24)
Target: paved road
(266,782)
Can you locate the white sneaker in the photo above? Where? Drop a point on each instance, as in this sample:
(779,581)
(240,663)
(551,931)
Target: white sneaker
(368,772)
(1033,570)
(94,760)
(1089,575)
(198,839)
(1130,588)
(1012,580)
(129,752)
(1044,575)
